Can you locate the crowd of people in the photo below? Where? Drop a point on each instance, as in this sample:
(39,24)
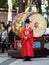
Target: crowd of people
(6,36)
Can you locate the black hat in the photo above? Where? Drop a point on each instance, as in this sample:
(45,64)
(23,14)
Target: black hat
(27,21)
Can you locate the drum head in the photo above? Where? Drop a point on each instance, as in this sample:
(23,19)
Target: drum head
(39,24)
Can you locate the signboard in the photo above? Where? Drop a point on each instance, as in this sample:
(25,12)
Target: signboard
(37,44)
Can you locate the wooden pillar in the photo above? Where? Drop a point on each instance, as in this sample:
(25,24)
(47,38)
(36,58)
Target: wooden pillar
(15,43)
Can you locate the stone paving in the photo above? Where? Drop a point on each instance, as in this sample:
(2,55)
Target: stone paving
(6,60)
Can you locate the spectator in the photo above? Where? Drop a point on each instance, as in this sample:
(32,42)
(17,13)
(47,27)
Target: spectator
(4,37)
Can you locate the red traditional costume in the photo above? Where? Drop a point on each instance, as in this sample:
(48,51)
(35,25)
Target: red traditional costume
(27,49)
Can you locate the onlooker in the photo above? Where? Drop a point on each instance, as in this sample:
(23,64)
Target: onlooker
(0,35)
(11,38)
(4,37)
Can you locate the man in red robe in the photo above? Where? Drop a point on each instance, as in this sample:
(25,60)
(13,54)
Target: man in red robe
(27,41)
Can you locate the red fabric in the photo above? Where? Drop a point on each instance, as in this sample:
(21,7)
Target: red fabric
(27,49)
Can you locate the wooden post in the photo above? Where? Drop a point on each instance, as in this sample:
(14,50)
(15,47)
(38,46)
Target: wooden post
(15,43)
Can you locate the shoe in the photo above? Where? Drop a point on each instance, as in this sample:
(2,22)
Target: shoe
(27,60)
(24,60)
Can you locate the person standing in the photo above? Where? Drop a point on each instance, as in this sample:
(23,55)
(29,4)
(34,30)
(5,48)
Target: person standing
(0,35)
(4,37)
(11,39)
(27,41)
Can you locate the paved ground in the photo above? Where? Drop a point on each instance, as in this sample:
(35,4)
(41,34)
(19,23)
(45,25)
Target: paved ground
(5,60)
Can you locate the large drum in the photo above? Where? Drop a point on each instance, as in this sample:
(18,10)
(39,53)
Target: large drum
(38,23)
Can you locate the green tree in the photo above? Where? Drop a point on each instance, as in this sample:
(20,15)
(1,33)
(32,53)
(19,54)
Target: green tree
(15,3)
(3,3)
